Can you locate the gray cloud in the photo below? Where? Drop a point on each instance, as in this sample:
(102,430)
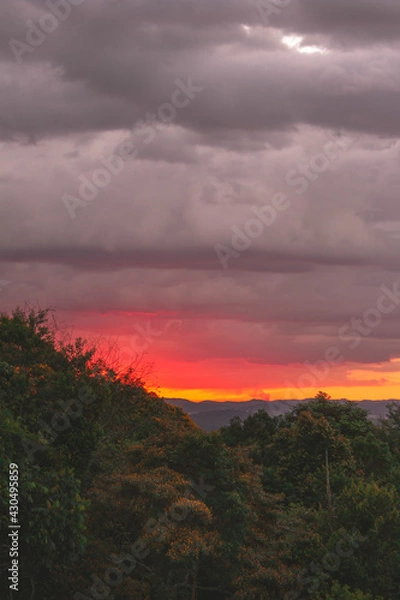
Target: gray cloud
(146,242)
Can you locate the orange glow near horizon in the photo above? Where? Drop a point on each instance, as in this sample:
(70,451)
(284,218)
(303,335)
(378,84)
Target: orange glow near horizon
(173,366)
(225,382)
(337,393)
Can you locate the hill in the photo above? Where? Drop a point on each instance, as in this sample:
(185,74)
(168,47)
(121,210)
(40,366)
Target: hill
(210,415)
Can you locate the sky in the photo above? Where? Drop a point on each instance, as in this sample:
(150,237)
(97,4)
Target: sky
(212,185)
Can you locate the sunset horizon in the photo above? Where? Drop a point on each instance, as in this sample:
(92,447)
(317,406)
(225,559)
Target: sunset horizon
(200,299)
(234,222)
(159,344)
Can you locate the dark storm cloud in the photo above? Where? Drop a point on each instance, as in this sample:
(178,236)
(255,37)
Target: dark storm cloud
(114,61)
(355,22)
(262,120)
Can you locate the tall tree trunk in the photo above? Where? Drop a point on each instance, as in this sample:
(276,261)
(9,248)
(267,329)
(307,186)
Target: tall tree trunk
(194,586)
(328,489)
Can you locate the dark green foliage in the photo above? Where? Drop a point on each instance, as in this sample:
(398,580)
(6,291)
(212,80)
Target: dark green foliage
(363,463)
(111,478)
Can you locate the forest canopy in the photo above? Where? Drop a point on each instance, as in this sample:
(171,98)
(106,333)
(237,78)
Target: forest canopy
(122,496)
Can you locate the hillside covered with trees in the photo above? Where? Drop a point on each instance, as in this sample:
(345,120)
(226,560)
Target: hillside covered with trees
(121,496)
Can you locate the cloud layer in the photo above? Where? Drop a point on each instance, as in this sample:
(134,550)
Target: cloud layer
(214,163)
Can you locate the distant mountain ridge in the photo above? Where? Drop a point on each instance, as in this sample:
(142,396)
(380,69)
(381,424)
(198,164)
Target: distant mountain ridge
(211,415)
